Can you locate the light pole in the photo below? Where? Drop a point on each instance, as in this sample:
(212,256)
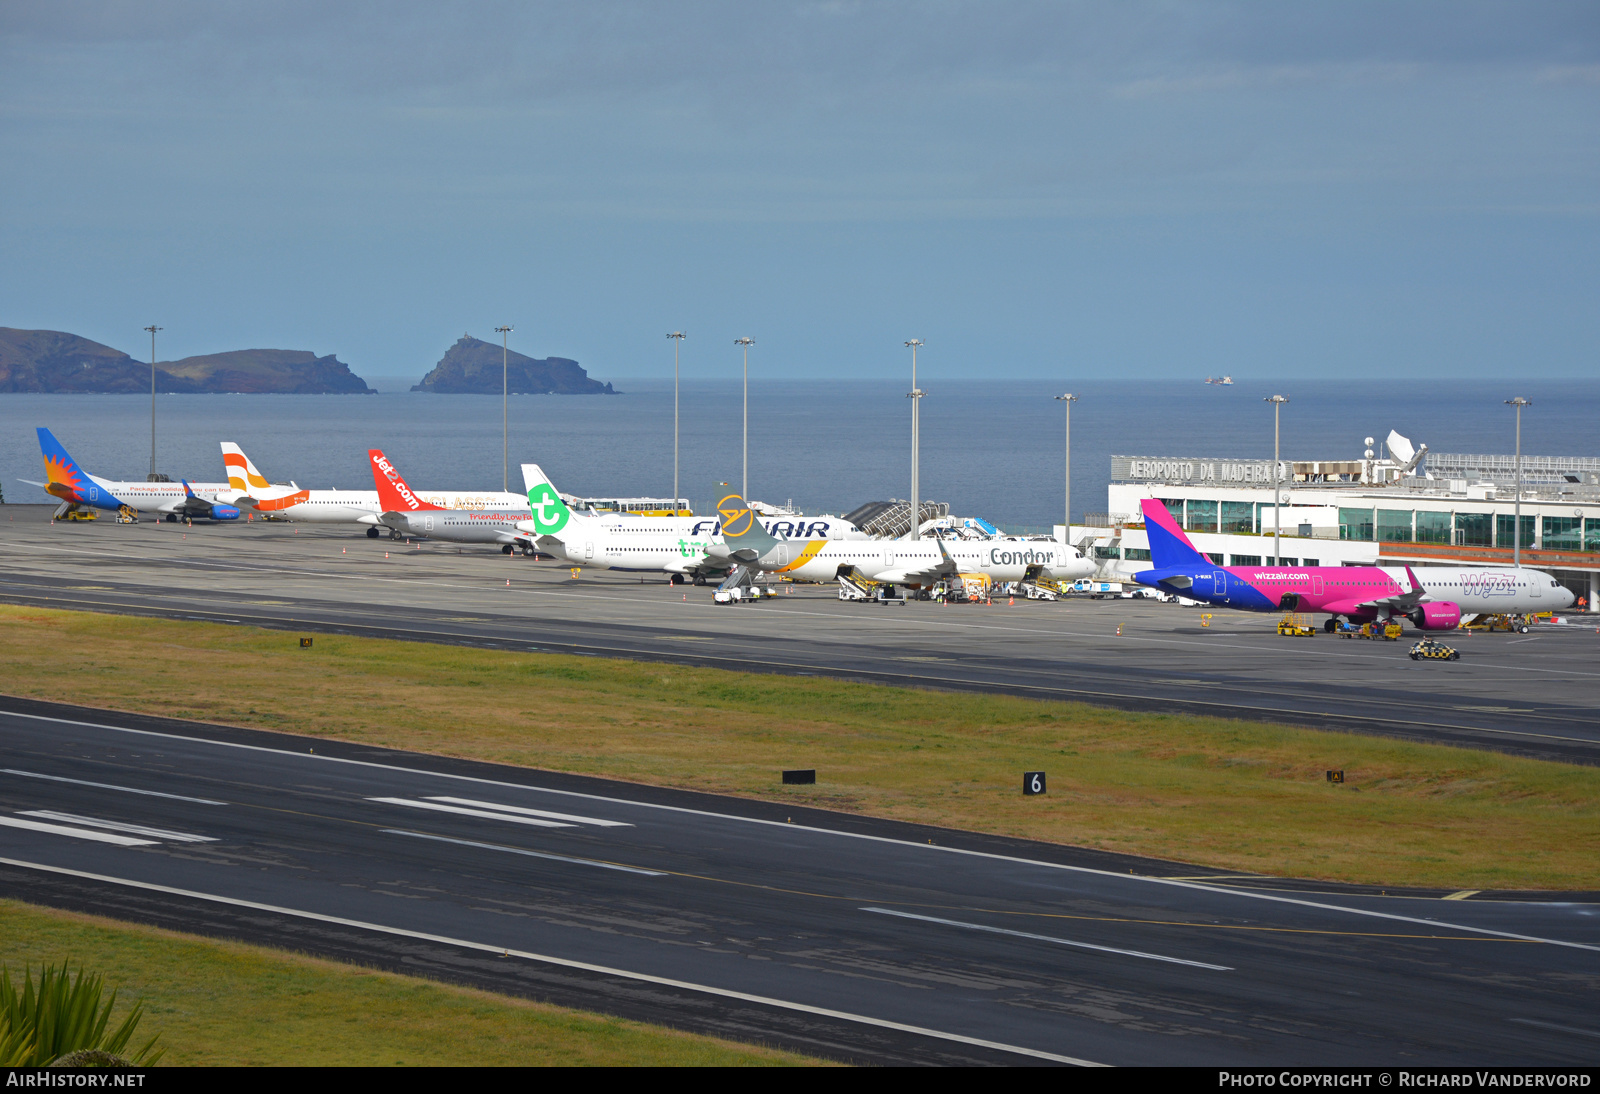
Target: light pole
(505,417)
(1069,399)
(916,440)
(152,328)
(746,343)
(1516,521)
(1277,402)
(677,337)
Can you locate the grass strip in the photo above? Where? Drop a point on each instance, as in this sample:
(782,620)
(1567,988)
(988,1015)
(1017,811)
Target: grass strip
(230,1004)
(1233,794)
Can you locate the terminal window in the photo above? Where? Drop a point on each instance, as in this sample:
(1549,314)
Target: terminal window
(1502,532)
(1237,516)
(1591,534)
(1309,562)
(1202,516)
(1394,525)
(1355,524)
(1474,529)
(1563,533)
(1433,527)
(1136,554)
(1246,560)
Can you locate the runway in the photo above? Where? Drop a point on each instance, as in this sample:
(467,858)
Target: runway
(846,937)
(1528,694)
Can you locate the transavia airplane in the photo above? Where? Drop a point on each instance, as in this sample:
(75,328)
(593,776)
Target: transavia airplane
(891,561)
(407,513)
(615,544)
(250,489)
(1433,601)
(826,526)
(78,489)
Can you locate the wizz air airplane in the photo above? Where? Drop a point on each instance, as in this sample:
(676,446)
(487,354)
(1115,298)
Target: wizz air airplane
(1435,601)
(78,489)
(891,561)
(250,489)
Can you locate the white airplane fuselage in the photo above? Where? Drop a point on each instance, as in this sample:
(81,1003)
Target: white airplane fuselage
(881,559)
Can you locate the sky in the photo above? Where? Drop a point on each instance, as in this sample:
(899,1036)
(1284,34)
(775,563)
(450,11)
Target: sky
(1060,189)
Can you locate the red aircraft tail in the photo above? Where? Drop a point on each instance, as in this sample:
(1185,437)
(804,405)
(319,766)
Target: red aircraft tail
(393,493)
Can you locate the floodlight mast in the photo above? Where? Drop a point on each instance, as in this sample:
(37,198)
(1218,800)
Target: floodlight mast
(152,328)
(746,343)
(1277,402)
(505,418)
(1069,399)
(915,396)
(1516,520)
(677,337)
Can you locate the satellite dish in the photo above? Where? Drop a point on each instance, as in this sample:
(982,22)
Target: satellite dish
(1400,447)
(1369,453)
(1369,442)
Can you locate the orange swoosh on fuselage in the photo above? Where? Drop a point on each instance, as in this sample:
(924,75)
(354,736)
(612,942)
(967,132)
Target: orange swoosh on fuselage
(805,556)
(284,503)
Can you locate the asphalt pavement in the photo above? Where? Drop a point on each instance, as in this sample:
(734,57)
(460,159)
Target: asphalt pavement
(847,937)
(1532,694)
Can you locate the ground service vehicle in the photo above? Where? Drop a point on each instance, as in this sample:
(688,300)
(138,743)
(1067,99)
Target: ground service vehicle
(1429,650)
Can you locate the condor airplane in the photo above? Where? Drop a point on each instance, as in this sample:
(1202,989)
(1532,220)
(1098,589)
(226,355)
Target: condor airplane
(1435,601)
(891,561)
(78,489)
(250,489)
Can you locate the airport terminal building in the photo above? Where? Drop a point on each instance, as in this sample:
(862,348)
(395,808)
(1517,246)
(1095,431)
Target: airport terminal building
(1413,508)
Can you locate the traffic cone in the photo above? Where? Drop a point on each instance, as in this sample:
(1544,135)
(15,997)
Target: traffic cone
(386,554)
(508,581)
(341,550)
(685,598)
(1119,630)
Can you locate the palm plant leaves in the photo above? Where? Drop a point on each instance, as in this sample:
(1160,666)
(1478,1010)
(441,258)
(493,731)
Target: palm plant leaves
(64,1013)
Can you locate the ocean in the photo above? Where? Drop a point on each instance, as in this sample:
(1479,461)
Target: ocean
(990,448)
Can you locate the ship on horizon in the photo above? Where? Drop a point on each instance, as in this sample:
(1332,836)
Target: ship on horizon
(1228,380)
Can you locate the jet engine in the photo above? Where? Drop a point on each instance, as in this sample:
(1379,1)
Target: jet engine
(1437,617)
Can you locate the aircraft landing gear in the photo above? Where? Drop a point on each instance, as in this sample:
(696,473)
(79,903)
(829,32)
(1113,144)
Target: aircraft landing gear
(372,533)
(505,548)
(699,579)
(528,552)
(674,579)
(1331,625)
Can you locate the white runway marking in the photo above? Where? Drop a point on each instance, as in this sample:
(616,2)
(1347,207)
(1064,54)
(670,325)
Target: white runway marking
(486,814)
(117,826)
(524,810)
(80,833)
(108,786)
(1552,1025)
(1050,938)
(931,848)
(530,854)
(686,985)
